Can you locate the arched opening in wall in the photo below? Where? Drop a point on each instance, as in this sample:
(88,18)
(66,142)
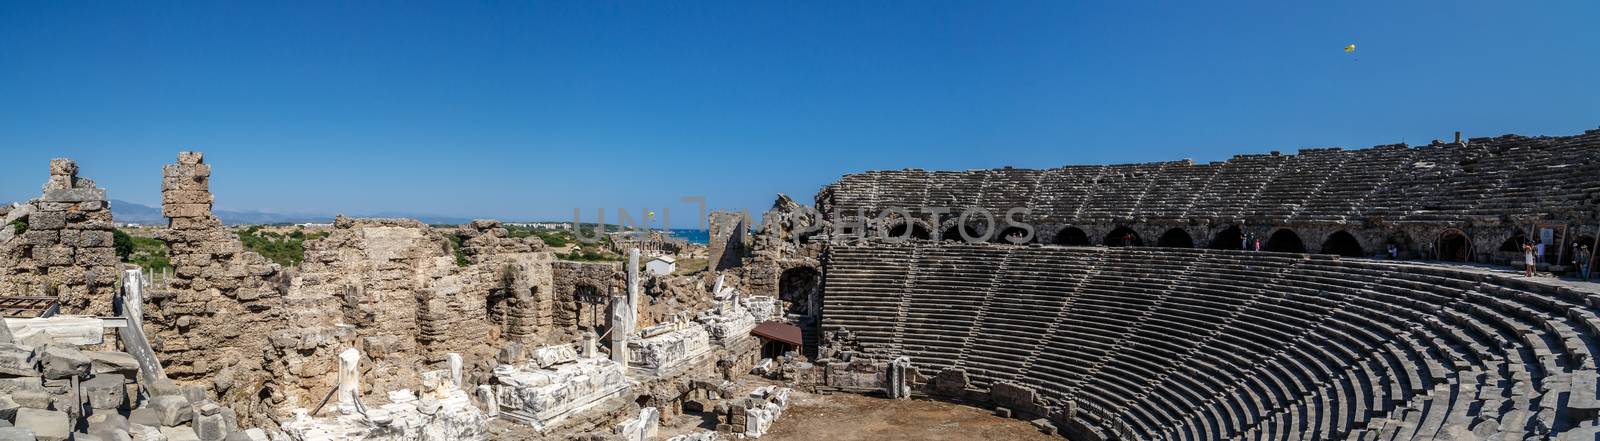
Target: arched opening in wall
(1342,243)
(1229,239)
(1013,235)
(1123,237)
(1285,241)
(1175,238)
(1514,243)
(590,309)
(496,307)
(1072,236)
(797,286)
(1454,246)
(953,234)
(917,231)
(801,289)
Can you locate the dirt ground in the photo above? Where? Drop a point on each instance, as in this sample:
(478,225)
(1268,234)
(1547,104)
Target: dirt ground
(849,417)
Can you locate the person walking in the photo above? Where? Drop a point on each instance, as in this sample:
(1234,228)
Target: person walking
(1528,258)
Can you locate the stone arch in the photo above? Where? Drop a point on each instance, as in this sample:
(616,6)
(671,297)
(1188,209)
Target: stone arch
(1122,236)
(1009,232)
(1231,238)
(1175,238)
(799,286)
(1284,240)
(953,233)
(1514,243)
(1072,236)
(1342,243)
(917,231)
(1454,245)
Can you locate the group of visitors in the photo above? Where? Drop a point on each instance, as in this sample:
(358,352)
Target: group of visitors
(1246,241)
(1533,252)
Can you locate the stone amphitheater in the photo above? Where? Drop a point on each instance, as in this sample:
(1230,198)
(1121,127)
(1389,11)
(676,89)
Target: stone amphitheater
(1361,294)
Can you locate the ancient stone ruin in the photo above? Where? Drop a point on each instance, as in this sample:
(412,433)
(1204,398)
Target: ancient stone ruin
(1092,303)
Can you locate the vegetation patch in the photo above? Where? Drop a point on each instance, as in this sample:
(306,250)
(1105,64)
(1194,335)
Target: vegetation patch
(285,249)
(146,252)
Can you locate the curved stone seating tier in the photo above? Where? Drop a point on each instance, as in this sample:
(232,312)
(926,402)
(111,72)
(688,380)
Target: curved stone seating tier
(1482,178)
(1186,344)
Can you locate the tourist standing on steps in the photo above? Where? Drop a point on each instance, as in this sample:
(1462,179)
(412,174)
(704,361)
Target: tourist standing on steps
(1394,252)
(1127,239)
(1258,244)
(1244,242)
(1528,258)
(1580,260)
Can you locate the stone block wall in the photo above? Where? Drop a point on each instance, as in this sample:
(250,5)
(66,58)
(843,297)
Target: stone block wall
(1486,187)
(393,289)
(66,248)
(210,327)
(729,235)
(569,278)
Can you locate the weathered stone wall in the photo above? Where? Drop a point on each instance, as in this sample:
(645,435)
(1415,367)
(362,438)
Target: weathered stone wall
(392,288)
(210,326)
(67,246)
(596,278)
(729,236)
(1485,188)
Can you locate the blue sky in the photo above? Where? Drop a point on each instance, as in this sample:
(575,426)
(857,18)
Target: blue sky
(525,110)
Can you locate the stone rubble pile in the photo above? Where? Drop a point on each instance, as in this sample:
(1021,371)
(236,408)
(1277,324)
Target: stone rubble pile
(642,427)
(556,384)
(50,392)
(753,415)
(442,412)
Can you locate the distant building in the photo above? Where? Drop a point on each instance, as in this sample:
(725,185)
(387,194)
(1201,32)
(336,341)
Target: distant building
(661,265)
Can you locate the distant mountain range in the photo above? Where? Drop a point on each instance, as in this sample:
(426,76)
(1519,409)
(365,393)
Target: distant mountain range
(136,213)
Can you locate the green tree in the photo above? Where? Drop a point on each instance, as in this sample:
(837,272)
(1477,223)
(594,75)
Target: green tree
(123,244)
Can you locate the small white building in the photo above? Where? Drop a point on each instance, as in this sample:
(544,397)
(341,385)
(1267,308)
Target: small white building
(661,265)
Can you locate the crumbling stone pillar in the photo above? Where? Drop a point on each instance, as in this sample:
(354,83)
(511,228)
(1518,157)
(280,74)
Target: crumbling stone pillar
(454,360)
(69,238)
(221,299)
(587,344)
(349,380)
(727,242)
(897,383)
(625,312)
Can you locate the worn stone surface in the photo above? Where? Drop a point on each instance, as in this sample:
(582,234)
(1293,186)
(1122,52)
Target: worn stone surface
(17,361)
(63,361)
(47,425)
(105,391)
(170,410)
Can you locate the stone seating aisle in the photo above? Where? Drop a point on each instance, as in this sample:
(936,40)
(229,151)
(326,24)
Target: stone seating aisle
(1207,344)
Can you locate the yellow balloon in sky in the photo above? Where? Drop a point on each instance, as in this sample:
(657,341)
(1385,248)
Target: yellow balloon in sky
(1350,48)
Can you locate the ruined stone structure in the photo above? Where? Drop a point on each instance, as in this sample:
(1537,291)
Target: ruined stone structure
(393,329)
(208,325)
(582,290)
(1454,201)
(728,235)
(61,244)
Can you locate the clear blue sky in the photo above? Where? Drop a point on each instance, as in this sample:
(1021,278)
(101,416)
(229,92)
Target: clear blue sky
(524,110)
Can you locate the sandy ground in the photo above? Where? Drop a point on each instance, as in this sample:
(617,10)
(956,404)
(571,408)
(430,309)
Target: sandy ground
(848,417)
